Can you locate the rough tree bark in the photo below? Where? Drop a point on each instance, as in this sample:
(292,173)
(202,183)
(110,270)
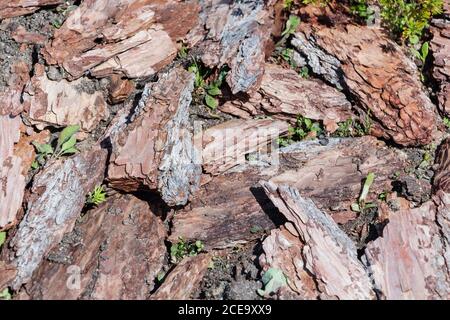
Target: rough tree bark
(114,252)
(62,103)
(331,175)
(411,260)
(236,35)
(15,8)
(155,150)
(16,157)
(138,26)
(326,264)
(284,95)
(183,280)
(225,146)
(218,222)
(58,196)
(374,69)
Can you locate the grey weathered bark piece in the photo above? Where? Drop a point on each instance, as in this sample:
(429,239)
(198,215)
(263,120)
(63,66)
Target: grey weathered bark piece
(328,255)
(376,71)
(114,252)
(236,35)
(155,150)
(285,95)
(184,279)
(58,196)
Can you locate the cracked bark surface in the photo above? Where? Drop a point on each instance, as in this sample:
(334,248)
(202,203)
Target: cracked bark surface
(16,157)
(218,222)
(155,149)
(410,260)
(183,280)
(62,103)
(58,196)
(114,252)
(102,41)
(285,95)
(15,8)
(331,175)
(374,69)
(326,264)
(235,34)
(225,146)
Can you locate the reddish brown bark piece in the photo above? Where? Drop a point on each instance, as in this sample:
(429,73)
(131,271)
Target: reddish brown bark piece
(62,103)
(58,196)
(377,73)
(15,8)
(236,35)
(142,60)
(16,156)
(226,145)
(328,255)
(156,150)
(440,46)
(21,35)
(114,252)
(127,38)
(119,89)
(411,259)
(184,279)
(225,212)
(285,95)
(12,178)
(332,175)
(7,274)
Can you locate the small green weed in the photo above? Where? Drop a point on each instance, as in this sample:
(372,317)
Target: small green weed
(209,92)
(97,196)
(362,205)
(303,128)
(65,146)
(5,294)
(182,249)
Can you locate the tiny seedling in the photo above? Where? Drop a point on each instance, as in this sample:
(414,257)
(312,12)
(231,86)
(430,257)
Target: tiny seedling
(291,25)
(446,122)
(2,238)
(209,92)
(304,127)
(65,146)
(362,205)
(97,196)
(256,229)
(422,56)
(183,52)
(273,279)
(287,4)
(5,294)
(361,9)
(182,249)
(304,72)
